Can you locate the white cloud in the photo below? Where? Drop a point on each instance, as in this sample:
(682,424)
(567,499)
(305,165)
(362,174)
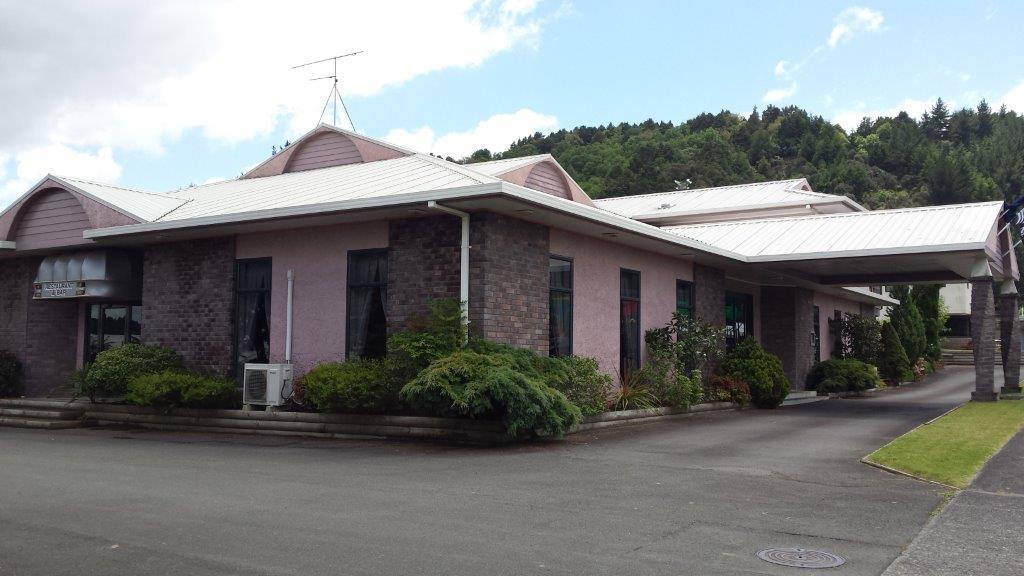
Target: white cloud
(1013,100)
(779,94)
(35,163)
(853,21)
(850,119)
(495,133)
(131,75)
(783,67)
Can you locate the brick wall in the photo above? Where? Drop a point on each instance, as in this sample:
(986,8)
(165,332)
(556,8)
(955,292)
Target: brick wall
(423,265)
(983,337)
(509,281)
(188,299)
(508,274)
(43,334)
(787,319)
(709,294)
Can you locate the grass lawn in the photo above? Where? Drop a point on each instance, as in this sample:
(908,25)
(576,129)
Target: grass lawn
(953,448)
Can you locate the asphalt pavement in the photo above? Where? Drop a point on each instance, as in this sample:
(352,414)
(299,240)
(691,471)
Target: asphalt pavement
(696,496)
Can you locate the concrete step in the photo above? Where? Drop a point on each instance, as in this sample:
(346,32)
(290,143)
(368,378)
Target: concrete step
(802,397)
(39,423)
(43,403)
(71,414)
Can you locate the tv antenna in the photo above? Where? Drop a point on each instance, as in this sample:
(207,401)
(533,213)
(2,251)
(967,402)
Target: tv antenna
(335,94)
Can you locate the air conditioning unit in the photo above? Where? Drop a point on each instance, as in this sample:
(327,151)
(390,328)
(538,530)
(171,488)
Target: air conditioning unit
(263,384)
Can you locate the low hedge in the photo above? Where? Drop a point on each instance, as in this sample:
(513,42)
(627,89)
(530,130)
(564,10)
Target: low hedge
(367,385)
(843,375)
(582,382)
(182,390)
(725,389)
(115,368)
(11,383)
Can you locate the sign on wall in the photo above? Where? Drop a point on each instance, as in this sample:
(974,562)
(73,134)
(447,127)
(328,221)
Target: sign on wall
(66,289)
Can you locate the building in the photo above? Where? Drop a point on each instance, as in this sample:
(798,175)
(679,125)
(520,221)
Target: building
(323,249)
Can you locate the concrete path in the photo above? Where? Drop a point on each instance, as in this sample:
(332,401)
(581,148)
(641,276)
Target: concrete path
(981,531)
(694,496)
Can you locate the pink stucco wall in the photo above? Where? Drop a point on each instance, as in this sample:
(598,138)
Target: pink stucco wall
(319,258)
(827,305)
(596,265)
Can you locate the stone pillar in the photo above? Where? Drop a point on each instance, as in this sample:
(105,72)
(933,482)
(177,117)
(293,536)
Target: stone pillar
(787,319)
(983,338)
(1009,328)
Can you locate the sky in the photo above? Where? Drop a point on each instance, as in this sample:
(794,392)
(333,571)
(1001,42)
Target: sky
(158,95)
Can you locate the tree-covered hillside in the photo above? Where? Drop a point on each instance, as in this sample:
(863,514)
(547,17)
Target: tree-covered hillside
(944,157)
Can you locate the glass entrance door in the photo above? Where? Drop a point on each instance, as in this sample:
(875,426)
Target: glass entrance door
(110,325)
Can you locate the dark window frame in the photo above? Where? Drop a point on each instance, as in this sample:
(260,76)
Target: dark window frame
(349,286)
(748,318)
(130,308)
(816,334)
(239,262)
(572,301)
(688,286)
(623,369)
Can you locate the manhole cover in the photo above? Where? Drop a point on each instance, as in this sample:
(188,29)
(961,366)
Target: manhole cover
(801,558)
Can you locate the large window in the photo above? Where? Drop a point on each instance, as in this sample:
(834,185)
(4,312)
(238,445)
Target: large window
(684,298)
(560,306)
(739,318)
(366,334)
(252,313)
(111,325)
(629,321)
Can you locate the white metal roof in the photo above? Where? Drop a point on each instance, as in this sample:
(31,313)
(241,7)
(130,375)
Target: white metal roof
(928,229)
(383,178)
(497,167)
(144,206)
(740,196)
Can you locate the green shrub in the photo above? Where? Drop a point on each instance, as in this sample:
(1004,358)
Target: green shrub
(725,389)
(10,375)
(582,382)
(893,366)
(502,385)
(634,391)
(685,390)
(842,375)
(366,385)
(114,369)
(929,303)
(760,370)
(860,337)
(431,336)
(909,325)
(170,389)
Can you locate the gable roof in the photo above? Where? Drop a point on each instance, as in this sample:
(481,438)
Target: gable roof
(738,197)
(498,167)
(141,205)
(927,229)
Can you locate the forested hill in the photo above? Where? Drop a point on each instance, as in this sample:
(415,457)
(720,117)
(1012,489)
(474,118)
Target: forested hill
(942,158)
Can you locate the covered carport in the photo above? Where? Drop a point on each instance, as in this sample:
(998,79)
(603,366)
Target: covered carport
(930,245)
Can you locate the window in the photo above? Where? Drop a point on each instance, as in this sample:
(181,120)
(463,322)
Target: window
(366,322)
(739,318)
(684,298)
(629,321)
(816,335)
(111,325)
(252,313)
(560,306)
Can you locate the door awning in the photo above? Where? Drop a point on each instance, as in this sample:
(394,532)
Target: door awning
(107,275)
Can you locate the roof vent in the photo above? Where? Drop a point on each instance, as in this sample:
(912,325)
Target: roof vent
(665,206)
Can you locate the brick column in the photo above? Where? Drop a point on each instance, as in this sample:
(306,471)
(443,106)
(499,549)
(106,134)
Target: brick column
(1009,328)
(709,301)
(983,338)
(787,319)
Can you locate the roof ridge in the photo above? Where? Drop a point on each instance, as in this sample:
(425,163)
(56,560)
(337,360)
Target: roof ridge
(116,186)
(837,215)
(707,188)
(460,169)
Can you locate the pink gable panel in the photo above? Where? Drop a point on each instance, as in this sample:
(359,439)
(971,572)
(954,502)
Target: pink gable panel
(546,178)
(322,151)
(52,218)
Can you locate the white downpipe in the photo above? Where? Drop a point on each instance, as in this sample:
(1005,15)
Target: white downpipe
(463,260)
(288,319)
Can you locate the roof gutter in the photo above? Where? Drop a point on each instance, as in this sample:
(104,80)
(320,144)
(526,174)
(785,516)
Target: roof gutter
(463,262)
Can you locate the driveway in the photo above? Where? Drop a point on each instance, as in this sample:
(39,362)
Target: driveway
(696,496)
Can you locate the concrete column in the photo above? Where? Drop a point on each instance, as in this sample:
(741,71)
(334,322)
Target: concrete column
(983,338)
(1009,328)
